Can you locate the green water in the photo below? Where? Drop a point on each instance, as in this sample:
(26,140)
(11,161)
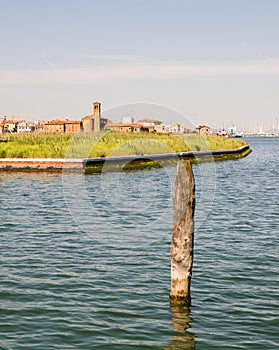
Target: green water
(85,259)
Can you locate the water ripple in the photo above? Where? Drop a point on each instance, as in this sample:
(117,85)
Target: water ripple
(103,282)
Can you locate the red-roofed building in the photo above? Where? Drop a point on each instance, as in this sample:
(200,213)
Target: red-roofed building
(129,127)
(63,126)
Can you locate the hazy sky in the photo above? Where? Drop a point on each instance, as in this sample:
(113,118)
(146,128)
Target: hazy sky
(213,61)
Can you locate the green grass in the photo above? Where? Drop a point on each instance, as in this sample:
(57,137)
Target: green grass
(107,144)
(35,146)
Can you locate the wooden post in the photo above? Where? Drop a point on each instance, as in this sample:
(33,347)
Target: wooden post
(182,234)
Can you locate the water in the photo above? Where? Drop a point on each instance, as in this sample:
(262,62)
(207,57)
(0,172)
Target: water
(85,260)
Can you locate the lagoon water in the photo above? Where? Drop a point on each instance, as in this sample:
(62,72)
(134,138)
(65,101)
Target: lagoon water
(84,260)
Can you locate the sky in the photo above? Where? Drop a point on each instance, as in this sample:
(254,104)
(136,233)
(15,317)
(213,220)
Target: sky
(216,62)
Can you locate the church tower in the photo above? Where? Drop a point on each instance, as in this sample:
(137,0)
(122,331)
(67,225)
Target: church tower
(97,116)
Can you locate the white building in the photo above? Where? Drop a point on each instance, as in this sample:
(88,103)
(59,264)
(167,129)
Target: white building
(25,127)
(149,122)
(127,120)
(178,128)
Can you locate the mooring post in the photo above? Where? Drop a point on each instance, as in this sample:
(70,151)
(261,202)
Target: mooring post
(182,233)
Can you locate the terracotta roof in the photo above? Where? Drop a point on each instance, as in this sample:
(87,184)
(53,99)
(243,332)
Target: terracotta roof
(202,126)
(56,122)
(88,117)
(72,122)
(10,121)
(62,122)
(134,125)
(148,126)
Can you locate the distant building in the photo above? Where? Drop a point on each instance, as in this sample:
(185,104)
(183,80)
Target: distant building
(232,131)
(24,126)
(203,130)
(149,122)
(63,126)
(54,126)
(10,126)
(89,123)
(161,129)
(222,132)
(94,122)
(39,126)
(128,120)
(97,116)
(73,126)
(128,127)
(179,128)
(149,128)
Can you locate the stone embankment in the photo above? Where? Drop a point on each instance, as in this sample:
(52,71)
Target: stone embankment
(54,165)
(40,164)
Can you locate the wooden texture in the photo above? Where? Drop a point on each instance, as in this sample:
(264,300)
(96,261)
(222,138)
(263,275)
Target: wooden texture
(182,234)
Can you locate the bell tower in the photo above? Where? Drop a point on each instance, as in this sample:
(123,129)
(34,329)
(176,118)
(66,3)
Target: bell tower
(97,116)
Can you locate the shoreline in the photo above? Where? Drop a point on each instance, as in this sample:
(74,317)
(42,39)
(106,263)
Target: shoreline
(40,164)
(120,163)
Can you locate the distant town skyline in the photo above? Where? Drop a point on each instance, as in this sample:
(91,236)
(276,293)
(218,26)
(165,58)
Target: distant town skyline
(214,62)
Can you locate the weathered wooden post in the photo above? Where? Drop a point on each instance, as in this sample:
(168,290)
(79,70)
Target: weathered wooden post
(182,233)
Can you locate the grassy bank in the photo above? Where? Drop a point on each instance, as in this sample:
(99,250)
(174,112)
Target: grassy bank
(107,144)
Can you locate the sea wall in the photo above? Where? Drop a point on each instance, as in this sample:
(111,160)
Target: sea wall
(138,161)
(40,164)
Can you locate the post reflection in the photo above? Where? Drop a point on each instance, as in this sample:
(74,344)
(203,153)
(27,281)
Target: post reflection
(181,320)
